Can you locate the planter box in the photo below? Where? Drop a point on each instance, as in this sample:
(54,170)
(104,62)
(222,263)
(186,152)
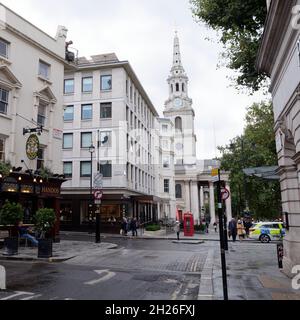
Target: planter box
(45,248)
(11,246)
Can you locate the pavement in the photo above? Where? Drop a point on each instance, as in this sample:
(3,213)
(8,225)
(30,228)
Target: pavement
(63,251)
(150,268)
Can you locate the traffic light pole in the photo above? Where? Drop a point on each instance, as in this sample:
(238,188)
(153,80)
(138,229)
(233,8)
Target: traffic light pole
(98,236)
(222,238)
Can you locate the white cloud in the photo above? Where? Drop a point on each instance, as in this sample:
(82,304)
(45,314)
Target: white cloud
(141,31)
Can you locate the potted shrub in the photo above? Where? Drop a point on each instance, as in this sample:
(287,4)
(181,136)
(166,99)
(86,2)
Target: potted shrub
(10,215)
(5,168)
(45,220)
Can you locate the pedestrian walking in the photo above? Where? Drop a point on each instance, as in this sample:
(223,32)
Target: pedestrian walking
(215,227)
(177,229)
(124,227)
(133,227)
(232,229)
(241,229)
(248,225)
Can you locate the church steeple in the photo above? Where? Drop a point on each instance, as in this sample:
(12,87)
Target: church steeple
(177,64)
(178,80)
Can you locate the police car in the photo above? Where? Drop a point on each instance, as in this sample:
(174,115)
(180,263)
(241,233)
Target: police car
(267,231)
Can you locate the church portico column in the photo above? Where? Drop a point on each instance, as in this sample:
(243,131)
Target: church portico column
(212,207)
(202,204)
(195,199)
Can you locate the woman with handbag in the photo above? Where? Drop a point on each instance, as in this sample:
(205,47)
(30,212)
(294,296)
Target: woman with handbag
(241,230)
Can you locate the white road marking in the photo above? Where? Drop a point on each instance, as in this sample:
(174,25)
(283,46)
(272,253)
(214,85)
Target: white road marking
(32,297)
(17,294)
(106,277)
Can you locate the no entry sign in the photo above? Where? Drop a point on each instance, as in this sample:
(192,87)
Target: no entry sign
(225,194)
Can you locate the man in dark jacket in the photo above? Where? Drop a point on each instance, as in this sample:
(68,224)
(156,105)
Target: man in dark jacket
(133,227)
(232,228)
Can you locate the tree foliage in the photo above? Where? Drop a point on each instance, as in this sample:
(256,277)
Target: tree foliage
(240,25)
(255,148)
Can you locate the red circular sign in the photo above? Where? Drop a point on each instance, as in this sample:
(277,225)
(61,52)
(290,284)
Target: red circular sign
(225,194)
(98,194)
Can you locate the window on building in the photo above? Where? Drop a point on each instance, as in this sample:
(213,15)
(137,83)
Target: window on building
(68,169)
(165,128)
(86,139)
(106,169)
(166,186)
(40,158)
(127,88)
(85,169)
(178,191)
(87,84)
(165,144)
(87,112)
(69,113)
(44,69)
(183,87)
(178,124)
(68,141)
(105,139)
(106,83)
(2,149)
(3,101)
(106,110)
(69,86)
(41,118)
(177,87)
(172,89)
(4,48)
(166,162)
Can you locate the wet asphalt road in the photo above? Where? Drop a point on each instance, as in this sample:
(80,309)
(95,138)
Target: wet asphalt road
(136,270)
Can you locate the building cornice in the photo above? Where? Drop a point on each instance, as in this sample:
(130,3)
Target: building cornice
(275,28)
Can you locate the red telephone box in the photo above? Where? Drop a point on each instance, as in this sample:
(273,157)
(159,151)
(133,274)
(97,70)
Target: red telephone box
(188,225)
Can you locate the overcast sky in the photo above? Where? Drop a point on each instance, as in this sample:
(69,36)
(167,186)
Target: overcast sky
(142,32)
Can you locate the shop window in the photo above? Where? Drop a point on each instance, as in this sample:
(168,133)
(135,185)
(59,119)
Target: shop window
(66,212)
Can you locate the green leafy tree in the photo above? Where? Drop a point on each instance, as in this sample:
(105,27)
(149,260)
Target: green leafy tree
(44,221)
(11,214)
(240,26)
(255,148)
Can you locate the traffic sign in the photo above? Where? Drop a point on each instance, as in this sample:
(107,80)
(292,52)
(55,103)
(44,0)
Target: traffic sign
(225,194)
(215,175)
(98,194)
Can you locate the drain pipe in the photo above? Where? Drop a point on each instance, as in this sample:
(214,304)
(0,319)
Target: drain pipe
(2,278)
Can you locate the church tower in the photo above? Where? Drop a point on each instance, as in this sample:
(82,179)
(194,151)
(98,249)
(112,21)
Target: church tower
(179,109)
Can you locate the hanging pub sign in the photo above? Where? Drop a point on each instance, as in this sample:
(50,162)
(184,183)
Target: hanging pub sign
(32,147)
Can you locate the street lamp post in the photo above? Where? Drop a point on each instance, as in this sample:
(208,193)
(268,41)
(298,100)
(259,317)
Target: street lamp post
(92,151)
